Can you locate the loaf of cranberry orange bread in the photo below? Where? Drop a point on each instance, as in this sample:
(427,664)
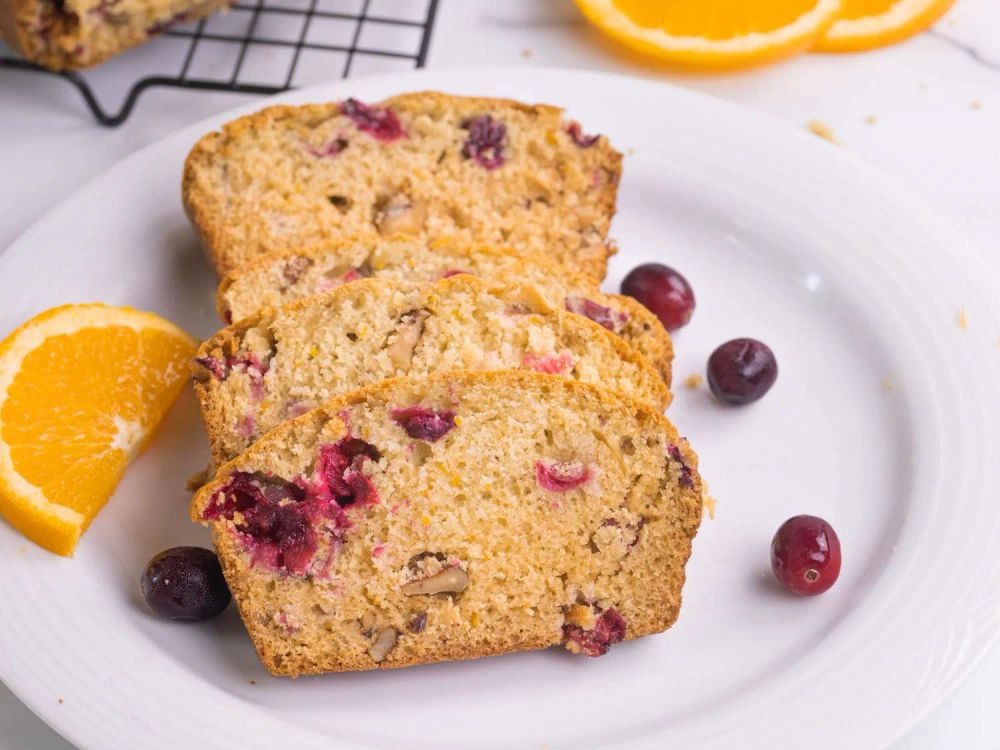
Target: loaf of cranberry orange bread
(456,516)
(75,34)
(276,279)
(424,164)
(252,376)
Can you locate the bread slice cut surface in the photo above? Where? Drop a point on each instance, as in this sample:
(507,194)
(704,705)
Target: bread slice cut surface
(456,516)
(425,164)
(285,277)
(252,376)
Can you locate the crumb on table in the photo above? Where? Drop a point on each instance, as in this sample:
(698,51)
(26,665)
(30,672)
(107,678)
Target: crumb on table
(709,503)
(694,381)
(888,383)
(977,105)
(526,53)
(963,321)
(871,119)
(824,131)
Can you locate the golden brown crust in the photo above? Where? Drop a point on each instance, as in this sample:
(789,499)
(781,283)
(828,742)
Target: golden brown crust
(260,283)
(234,235)
(462,311)
(10,30)
(646,588)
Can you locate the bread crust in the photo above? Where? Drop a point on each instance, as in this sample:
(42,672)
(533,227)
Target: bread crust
(660,562)
(228,248)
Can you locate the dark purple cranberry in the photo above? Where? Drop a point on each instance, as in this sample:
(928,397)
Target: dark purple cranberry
(613,320)
(687,475)
(486,141)
(663,291)
(185,583)
(555,476)
(741,371)
(418,623)
(805,555)
(579,138)
(421,423)
(609,628)
(275,518)
(380,123)
(214,365)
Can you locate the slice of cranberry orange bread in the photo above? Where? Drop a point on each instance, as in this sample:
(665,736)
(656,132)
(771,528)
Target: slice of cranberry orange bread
(283,277)
(452,517)
(424,164)
(254,375)
(75,34)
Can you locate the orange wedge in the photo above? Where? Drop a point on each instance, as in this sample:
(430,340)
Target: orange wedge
(714,34)
(866,24)
(82,388)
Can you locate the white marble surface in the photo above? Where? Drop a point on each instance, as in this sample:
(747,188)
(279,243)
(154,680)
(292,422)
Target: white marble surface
(935,102)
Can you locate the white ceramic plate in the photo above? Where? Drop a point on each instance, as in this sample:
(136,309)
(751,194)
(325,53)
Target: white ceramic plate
(854,285)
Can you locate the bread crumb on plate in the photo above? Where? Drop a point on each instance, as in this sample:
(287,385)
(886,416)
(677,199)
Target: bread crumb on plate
(824,131)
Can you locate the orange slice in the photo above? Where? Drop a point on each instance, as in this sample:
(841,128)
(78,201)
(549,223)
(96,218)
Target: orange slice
(865,24)
(714,34)
(82,388)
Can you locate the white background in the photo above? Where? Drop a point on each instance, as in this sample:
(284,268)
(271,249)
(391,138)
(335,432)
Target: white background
(935,100)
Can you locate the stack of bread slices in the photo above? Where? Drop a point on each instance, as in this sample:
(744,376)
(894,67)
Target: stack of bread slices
(433,437)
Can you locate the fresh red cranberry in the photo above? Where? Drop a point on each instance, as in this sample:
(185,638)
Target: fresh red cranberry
(805,555)
(663,291)
(486,141)
(579,138)
(741,371)
(380,123)
(185,583)
(613,320)
(421,423)
(556,476)
(609,628)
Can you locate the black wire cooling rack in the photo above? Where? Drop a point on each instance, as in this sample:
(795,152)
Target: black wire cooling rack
(260,47)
